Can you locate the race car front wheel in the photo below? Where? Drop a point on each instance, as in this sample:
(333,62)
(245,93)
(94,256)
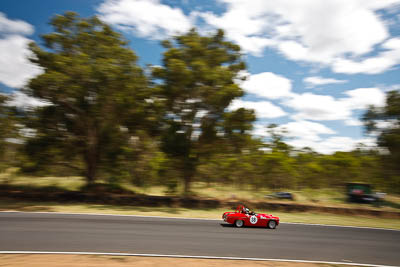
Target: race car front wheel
(271,224)
(239,223)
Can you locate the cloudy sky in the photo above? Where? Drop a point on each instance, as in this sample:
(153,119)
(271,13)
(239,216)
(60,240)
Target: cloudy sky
(314,66)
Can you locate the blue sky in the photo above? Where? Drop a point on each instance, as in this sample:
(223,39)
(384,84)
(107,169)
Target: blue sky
(313,66)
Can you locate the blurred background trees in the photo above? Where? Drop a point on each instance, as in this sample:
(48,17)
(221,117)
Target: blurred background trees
(106,120)
(5,126)
(385,123)
(197,82)
(97,98)
(9,132)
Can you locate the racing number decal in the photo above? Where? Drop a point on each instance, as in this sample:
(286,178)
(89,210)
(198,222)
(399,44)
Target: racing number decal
(253,219)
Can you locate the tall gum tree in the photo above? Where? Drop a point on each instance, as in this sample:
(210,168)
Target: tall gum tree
(197,82)
(385,122)
(97,95)
(5,128)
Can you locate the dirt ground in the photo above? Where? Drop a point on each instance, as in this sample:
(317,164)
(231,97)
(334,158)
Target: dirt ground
(19,260)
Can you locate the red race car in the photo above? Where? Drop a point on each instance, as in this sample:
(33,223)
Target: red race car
(244,217)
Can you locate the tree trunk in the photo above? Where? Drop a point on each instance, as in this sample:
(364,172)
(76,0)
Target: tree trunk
(91,166)
(188,181)
(188,173)
(91,156)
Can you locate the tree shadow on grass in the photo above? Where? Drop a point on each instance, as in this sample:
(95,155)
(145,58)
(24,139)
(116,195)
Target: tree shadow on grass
(17,205)
(390,204)
(128,208)
(12,204)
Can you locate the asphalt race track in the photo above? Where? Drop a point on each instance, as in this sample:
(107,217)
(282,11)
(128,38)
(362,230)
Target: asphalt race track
(126,234)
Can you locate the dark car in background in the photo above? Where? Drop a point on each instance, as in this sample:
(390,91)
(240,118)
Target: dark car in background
(362,193)
(281,195)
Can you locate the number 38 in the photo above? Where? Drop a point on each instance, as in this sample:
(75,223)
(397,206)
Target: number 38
(253,219)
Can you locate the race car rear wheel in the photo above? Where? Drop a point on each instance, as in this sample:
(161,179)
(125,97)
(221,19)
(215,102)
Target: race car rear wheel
(271,224)
(239,223)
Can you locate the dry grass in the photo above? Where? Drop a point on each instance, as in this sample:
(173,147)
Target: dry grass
(321,197)
(11,177)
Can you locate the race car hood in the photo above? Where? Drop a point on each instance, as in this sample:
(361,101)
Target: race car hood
(227,213)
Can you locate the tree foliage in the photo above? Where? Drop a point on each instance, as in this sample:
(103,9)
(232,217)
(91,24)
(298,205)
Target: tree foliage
(9,132)
(96,93)
(4,126)
(385,122)
(197,80)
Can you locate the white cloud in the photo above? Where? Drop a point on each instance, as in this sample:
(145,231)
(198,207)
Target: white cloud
(263,109)
(14,26)
(390,123)
(252,44)
(23,101)
(299,133)
(325,107)
(332,144)
(260,130)
(353,122)
(332,32)
(340,34)
(15,68)
(146,18)
(298,52)
(241,27)
(302,134)
(268,85)
(306,130)
(361,98)
(391,87)
(373,65)
(316,80)
(318,107)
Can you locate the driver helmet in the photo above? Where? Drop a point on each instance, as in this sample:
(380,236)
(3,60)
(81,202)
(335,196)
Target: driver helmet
(247,210)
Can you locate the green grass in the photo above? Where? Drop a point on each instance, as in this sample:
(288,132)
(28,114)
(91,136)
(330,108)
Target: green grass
(294,217)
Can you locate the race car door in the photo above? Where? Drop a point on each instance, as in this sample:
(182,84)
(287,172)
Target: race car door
(256,220)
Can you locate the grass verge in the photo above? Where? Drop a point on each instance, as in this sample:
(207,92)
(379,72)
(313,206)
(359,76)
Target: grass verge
(320,197)
(292,217)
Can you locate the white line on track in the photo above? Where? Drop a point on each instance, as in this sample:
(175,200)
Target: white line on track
(189,256)
(186,218)
(343,226)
